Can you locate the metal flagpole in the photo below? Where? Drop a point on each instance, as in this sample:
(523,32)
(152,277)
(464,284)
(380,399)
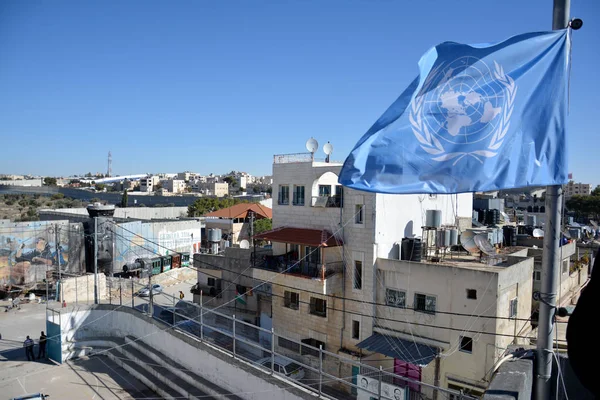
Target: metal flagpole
(95,260)
(550,257)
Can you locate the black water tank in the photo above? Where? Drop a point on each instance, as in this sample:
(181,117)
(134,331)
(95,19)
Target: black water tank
(510,235)
(411,249)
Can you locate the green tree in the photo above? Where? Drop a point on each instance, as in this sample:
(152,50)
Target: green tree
(48,181)
(230,180)
(596,191)
(100,187)
(584,206)
(57,196)
(206,205)
(262,225)
(124,199)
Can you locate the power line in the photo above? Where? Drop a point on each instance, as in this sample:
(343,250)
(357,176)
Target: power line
(331,295)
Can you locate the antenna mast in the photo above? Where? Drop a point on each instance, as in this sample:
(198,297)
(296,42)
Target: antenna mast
(109,172)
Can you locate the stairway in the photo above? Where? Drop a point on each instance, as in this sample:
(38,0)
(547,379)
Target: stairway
(160,373)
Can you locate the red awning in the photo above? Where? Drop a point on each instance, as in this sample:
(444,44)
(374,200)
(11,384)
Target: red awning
(307,237)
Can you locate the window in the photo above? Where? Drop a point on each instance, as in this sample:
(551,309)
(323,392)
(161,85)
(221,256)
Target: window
(358,213)
(565,266)
(284,195)
(309,350)
(424,303)
(288,344)
(291,300)
(211,281)
(357,275)
(318,307)
(537,275)
(356,330)
(466,344)
(472,294)
(395,298)
(298,199)
(325,190)
(512,313)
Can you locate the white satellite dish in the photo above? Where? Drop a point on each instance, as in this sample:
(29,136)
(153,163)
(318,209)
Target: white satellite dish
(244,244)
(538,233)
(328,149)
(312,145)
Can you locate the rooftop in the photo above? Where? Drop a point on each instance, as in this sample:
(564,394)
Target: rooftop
(241,211)
(303,158)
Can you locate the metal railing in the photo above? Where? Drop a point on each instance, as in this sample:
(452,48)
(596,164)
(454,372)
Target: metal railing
(266,349)
(334,201)
(292,158)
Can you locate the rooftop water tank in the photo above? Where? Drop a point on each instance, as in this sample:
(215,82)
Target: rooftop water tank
(433,218)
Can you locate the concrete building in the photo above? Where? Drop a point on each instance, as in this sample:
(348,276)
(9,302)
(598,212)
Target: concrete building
(217,189)
(174,185)
(577,189)
(235,221)
(148,183)
(184,176)
(334,243)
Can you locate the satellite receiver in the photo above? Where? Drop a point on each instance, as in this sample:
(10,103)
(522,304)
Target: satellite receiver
(244,244)
(538,233)
(328,149)
(468,243)
(312,145)
(483,244)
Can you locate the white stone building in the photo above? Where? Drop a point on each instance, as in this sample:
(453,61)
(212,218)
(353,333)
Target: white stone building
(148,183)
(339,248)
(174,185)
(577,189)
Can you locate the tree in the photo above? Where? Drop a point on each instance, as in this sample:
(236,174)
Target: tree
(158,186)
(596,191)
(48,181)
(262,225)
(124,199)
(100,187)
(230,180)
(584,206)
(205,205)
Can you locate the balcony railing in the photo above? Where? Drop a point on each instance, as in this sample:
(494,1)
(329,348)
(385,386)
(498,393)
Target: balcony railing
(292,158)
(335,201)
(290,265)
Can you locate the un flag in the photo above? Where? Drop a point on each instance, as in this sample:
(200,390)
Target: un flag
(478,118)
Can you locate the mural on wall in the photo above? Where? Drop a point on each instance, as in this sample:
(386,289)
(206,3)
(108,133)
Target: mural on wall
(29,249)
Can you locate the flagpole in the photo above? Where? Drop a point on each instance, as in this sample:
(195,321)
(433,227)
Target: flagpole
(550,256)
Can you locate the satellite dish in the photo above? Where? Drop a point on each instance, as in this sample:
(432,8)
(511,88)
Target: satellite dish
(244,244)
(328,149)
(538,233)
(483,244)
(312,145)
(467,241)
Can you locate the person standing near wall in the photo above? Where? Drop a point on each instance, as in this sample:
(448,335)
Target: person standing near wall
(28,345)
(42,350)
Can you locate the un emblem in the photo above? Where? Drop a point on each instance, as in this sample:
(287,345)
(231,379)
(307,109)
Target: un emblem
(463,105)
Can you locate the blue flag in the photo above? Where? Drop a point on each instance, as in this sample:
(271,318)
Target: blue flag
(478,118)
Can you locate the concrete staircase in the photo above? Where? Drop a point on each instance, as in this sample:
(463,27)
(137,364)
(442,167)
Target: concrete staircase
(160,373)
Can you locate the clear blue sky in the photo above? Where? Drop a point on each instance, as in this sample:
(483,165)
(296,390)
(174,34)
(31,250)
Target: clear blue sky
(211,86)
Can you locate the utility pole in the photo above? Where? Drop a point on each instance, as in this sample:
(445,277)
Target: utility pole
(95,260)
(57,245)
(251,214)
(550,256)
(151,295)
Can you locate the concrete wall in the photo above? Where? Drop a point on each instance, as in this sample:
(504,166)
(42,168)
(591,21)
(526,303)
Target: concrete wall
(28,250)
(80,289)
(400,216)
(23,182)
(218,367)
(130,212)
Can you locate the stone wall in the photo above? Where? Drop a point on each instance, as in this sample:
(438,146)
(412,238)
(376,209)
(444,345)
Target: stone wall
(80,289)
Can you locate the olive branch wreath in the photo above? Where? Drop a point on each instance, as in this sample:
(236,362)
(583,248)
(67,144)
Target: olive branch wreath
(432,144)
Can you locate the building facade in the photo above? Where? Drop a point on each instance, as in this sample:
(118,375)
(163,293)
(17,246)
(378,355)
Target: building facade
(577,189)
(174,185)
(148,183)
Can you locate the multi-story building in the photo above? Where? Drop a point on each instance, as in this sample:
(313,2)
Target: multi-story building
(218,189)
(184,176)
(344,287)
(148,183)
(174,185)
(577,189)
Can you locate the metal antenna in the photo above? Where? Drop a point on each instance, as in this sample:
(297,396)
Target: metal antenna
(109,172)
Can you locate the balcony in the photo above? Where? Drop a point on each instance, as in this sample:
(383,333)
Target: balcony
(319,278)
